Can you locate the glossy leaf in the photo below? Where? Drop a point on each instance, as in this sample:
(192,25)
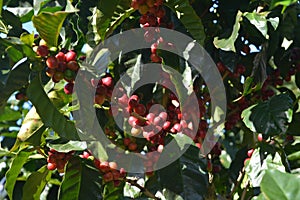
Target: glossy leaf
(279,185)
(49,24)
(36,183)
(294,126)
(284,3)
(255,169)
(188,18)
(81,181)
(67,146)
(14,170)
(269,117)
(9,114)
(17,78)
(185,177)
(227,44)
(32,128)
(49,114)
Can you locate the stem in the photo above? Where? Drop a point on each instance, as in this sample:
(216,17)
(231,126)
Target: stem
(144,190)
(1,4)
(237,183)
(39,149)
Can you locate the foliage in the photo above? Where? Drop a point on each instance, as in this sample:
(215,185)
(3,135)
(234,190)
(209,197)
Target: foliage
(44,46)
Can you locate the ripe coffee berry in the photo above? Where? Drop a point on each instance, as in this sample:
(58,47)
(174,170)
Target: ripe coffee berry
(51,62)
(70,56)
(42,51)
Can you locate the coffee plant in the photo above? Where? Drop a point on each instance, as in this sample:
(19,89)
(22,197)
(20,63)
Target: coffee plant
(52,61)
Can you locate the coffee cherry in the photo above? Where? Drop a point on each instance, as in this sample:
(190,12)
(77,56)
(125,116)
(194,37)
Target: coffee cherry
(133,121)
(126,141)
(108,177)
(246,161)
(51,166)
(50,72)
(133,101)
(260,137)
(158,121)
(154,47)
(62,66)
(108,82)
(68,89)
(51,62)
(113,165)
(163,115)
(60,56)
(140,109)
(73,65)
(70,56)
(166,126)
(57,77)
(155,58)
(135,131)
(250,152)
(69,75)
(150,117)
(42,51)
(132,146)
(20,96)
(104,167)
(143,9)
(99,99)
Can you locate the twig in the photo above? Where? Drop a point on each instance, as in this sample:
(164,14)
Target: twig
(144,190)
(238,182)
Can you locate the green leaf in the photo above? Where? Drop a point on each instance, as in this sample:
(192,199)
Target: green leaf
(3,27)
(279,185)
(4,152)
(14,54)
(227,44)
(112,192)
(17,78)
(27,39)
(284,3)
(67,146)
(255,169)
(49,114)
(32,128)
(9,114)
(294,126)
(259,21)
(248,86)
(294,156)
(36,183)
(81,181)
(14,170)
(185,178)
(188,17)
(106,18)
(48,25)
(269,117)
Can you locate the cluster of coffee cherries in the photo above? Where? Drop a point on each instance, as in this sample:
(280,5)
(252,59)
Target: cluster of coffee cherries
(61,66)
(153,15)
(57,160)
(104,88)
(109,170)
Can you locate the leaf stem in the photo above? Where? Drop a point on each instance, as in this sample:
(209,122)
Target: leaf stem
(143,189)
